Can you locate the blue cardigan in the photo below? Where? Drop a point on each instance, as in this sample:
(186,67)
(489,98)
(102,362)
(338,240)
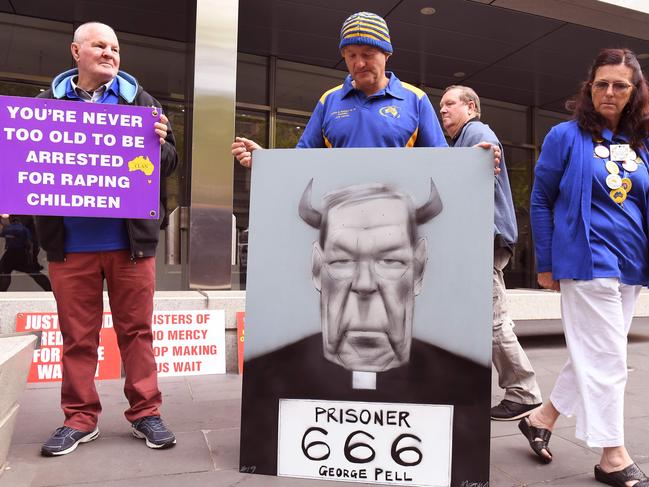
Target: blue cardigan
(560,208)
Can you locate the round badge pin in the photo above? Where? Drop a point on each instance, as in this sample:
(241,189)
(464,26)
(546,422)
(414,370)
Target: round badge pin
(626,184)
(602,152)
(612,167)
(630,166)
(613,181)
(631,156)
(618,195)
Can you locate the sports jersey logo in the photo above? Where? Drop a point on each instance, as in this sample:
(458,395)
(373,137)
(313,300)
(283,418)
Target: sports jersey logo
(390,111)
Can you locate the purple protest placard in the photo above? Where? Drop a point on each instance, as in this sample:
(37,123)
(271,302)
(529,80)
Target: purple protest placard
(78,159)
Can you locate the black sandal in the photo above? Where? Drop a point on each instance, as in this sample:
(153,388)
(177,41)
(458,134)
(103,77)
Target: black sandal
(621,477)
(538,445)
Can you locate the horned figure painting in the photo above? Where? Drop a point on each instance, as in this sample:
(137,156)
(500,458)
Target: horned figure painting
(370,249)
(368,265)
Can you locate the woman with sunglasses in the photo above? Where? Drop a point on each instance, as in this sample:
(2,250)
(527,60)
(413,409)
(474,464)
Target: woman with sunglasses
(589,211)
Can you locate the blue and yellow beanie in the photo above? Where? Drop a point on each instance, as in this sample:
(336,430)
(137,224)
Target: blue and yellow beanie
(366,28)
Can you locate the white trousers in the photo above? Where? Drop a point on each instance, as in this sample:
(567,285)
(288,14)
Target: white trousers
(596,317)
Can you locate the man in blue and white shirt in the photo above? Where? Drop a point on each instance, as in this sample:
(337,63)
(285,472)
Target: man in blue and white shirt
(372,108)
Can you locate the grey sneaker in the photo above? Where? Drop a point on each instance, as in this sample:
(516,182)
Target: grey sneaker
(65,440)
(154,432)
(511,411)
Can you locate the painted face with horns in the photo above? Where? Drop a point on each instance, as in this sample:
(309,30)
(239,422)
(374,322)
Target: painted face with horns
(368,266)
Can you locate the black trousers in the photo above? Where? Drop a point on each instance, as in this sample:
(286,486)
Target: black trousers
(20,260)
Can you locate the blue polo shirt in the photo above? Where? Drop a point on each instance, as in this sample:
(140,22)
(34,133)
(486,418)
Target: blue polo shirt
(94,234)
(400,115)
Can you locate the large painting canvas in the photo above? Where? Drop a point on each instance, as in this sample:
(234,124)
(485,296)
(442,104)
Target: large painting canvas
(368,316)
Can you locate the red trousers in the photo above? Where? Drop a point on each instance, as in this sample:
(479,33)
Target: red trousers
(78,288)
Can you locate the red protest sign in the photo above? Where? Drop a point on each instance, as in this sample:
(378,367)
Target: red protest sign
(46,362)
(241,322)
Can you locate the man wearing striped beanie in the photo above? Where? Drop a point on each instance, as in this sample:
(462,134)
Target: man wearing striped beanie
(365,46)
(372,108)
(368,29)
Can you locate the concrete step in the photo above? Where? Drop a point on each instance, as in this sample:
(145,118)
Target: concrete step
(7,423)
(16,352)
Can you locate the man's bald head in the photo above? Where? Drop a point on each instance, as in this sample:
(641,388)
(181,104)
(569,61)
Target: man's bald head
(95,49)
(81,32)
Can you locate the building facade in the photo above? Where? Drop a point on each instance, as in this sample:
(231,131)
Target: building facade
(256,68)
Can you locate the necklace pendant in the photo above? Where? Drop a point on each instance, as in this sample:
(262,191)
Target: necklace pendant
(630,165)
(618,195)
(613,181)
(626,184)
(602,152)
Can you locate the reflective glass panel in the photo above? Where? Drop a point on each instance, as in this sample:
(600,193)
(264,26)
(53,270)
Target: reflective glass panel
(300,86)
(288,130)
(252,79)
(252,125)
(519,272)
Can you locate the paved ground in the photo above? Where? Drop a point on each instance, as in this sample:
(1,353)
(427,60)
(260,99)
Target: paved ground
(204,412)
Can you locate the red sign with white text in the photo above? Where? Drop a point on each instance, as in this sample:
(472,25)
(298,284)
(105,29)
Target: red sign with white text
(241,324)
(46,362)
(189,342)
(184,343)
